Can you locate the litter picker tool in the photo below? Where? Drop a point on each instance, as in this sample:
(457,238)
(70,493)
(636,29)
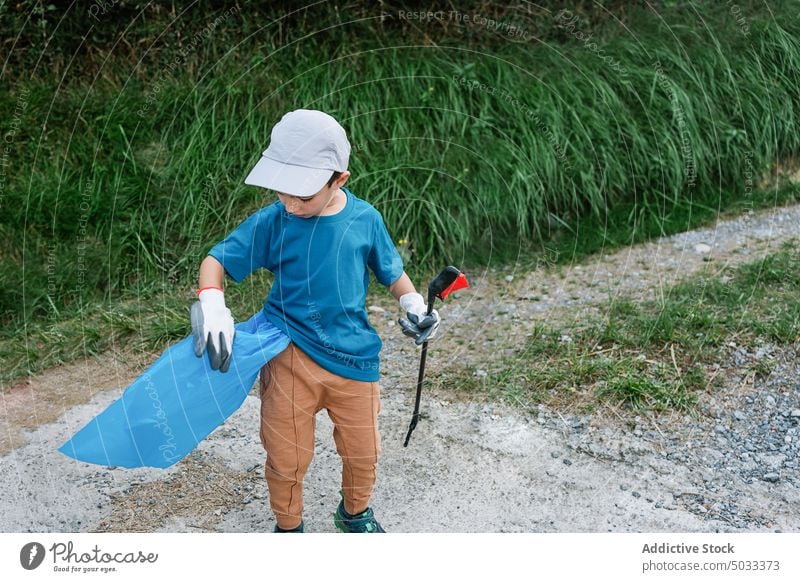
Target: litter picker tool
(448,280)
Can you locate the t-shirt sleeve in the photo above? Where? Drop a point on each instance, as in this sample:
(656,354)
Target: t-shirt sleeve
(384,260)
(245,249)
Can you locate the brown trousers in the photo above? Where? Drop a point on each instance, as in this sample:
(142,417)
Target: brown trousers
(293,389)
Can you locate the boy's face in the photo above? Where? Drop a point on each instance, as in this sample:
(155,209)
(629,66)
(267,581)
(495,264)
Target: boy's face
(314,205)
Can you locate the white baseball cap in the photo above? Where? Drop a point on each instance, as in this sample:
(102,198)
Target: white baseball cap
(305,148)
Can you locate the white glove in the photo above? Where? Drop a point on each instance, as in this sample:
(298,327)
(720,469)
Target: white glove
(419,324)
(212,328)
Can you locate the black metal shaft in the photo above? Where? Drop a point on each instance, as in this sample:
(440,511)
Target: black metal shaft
(421,376)
(420,380)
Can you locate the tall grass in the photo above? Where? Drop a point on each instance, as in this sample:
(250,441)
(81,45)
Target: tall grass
(462,149)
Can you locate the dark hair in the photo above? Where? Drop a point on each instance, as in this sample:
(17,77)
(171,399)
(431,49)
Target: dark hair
(334,178)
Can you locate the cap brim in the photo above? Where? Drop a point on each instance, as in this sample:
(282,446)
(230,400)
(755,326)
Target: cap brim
(286,178)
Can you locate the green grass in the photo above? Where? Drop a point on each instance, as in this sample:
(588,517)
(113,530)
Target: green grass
(650,355)
(758,300)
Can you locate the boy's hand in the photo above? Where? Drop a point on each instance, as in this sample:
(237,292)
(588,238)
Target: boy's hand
(212,328)
(419,324)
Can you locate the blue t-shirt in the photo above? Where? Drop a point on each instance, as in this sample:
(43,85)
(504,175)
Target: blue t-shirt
(320,289)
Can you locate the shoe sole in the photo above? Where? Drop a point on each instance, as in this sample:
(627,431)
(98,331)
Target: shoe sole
(337,521)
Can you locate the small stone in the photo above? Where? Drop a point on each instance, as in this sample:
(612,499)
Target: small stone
(509,278)
(554,455)
(739,415)
(567,462)
(376,309)
(771,477)
(795,413)
(702,248)
(636,494)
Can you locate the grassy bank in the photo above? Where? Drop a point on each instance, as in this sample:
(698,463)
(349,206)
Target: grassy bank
(476,146)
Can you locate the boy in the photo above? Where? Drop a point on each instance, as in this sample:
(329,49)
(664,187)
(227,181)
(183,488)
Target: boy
(318,239)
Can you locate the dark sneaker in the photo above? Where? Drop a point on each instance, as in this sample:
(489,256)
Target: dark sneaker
(299,529)
(363,522)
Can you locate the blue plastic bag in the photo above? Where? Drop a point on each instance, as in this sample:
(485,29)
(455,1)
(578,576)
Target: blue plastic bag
(176,402)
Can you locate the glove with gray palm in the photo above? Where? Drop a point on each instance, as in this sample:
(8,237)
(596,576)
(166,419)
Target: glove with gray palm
(212,328)
(418,323)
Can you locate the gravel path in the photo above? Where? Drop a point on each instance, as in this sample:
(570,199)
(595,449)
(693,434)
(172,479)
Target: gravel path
(481,466)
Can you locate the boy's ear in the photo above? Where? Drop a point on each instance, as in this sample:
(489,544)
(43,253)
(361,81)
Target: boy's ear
(342,179)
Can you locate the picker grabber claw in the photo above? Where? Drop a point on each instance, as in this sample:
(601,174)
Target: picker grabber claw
(448,280)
